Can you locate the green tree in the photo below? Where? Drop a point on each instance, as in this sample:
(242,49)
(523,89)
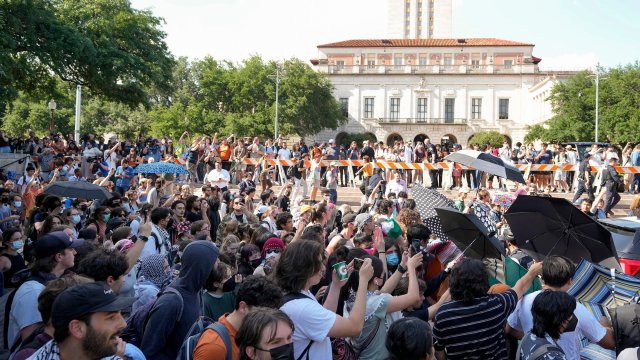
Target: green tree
(482,138)
(105,45)
(573,103)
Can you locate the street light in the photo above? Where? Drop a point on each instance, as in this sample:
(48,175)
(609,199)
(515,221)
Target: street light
(597,76)
(277,77)
(52,108)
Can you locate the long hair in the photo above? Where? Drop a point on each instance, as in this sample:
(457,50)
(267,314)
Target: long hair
(550,309)
(298,263)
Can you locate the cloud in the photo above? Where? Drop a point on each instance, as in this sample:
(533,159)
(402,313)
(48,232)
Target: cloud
(569,62)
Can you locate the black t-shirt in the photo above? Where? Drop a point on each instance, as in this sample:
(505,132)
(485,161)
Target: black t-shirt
(368,150)
(192,216)
(283,203)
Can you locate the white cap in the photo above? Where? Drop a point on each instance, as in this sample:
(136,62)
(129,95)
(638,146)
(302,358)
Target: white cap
(331,141)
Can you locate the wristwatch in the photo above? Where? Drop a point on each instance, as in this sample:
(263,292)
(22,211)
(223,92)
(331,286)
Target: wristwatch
(401,269)
(143,238)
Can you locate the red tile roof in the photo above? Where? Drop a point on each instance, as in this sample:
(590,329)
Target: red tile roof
(424,43)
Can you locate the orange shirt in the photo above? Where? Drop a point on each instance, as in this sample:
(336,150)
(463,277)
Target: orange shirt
(211,346)
(225,152)
(367,170)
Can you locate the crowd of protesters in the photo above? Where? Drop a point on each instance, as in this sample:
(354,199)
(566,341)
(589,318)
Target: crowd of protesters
(283,275)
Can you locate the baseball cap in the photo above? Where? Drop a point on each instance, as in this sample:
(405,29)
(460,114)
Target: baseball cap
(53,243)
(305,208)
(362,219)
(84,299)
(348,219)
(331,141)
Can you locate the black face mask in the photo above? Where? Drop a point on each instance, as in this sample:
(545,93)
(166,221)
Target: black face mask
(255,263)
(284,352)
(229,285)
(571,326)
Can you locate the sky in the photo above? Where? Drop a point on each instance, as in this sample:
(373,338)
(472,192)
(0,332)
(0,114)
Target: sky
(568,34)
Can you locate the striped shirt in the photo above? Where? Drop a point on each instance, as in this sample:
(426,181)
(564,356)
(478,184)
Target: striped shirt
(474,330)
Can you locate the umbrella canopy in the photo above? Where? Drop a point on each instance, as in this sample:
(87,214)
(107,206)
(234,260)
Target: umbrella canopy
(487,163)
(594,287)
(427,200)
(78,190)
(160,168)
(470,234)
(545,226)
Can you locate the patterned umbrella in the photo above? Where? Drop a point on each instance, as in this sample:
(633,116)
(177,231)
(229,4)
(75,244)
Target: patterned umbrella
(504,200)
(160,168)
(594,287)
(427,200)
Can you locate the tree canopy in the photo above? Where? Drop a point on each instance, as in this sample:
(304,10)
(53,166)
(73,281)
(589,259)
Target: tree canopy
(110,48)
(482,138)
(574,102)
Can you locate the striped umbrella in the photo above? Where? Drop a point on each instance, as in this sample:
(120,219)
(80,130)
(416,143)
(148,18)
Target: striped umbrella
(598,291)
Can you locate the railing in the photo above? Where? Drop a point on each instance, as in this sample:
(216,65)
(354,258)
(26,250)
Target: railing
(425,121)
(429,69)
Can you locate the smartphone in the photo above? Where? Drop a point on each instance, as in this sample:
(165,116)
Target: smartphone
(415,246)
(357,264)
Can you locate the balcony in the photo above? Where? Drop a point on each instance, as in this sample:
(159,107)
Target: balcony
(419,121)
(428,69)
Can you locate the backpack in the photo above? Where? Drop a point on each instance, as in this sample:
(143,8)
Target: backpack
(292,171)
(136,323)
(539,350)
(196,331)
(295,296)
(625,321)
(7,311)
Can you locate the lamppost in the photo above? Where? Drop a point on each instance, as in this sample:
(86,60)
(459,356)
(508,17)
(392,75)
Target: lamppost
(52,108)
(597,76)
(277,77)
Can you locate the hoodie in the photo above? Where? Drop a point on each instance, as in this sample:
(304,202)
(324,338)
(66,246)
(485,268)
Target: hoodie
(164,333)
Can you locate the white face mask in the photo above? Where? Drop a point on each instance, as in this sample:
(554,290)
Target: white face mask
(270,255)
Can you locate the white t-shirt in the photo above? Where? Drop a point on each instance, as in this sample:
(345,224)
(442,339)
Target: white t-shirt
(220,178)
(24,309)
(111,158)
(313,322)
(284,154)
(588,326)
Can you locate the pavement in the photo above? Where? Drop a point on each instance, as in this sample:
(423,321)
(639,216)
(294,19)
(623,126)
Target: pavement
(352,196)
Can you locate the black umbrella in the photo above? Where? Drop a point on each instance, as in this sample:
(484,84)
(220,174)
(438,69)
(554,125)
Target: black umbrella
(469,233)
(78,190)
(487,163)
(545,226)
(427,200)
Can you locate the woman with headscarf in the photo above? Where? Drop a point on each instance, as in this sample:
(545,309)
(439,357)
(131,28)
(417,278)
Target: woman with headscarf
(153,276)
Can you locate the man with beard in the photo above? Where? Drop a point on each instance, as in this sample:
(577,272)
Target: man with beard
(87,322)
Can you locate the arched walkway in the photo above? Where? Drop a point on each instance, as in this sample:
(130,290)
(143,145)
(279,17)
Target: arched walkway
(419,138)
(391,139)
(342,138)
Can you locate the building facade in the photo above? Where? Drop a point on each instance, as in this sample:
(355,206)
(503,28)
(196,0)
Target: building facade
(420,19)
(442,89)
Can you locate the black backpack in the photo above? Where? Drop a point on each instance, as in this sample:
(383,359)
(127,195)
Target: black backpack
(292,171)
(625,321)
(136,323)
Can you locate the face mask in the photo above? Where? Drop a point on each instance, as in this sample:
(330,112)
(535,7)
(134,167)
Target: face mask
(284,352)
(571,326)
(229,285)
(270,255)
(107,217)
(392,259)
(255,263)
(75,219)
(18,203)
(17,245)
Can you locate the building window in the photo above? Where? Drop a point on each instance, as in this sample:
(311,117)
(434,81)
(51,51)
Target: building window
(448,60)
(371,64)
(344,106)
(476,108)
(339,64)
(422,59)
(475,64)
(422,109)
(394,107)
(508,64)
(449,104)
(368,108)
(397,59)
(503,107)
